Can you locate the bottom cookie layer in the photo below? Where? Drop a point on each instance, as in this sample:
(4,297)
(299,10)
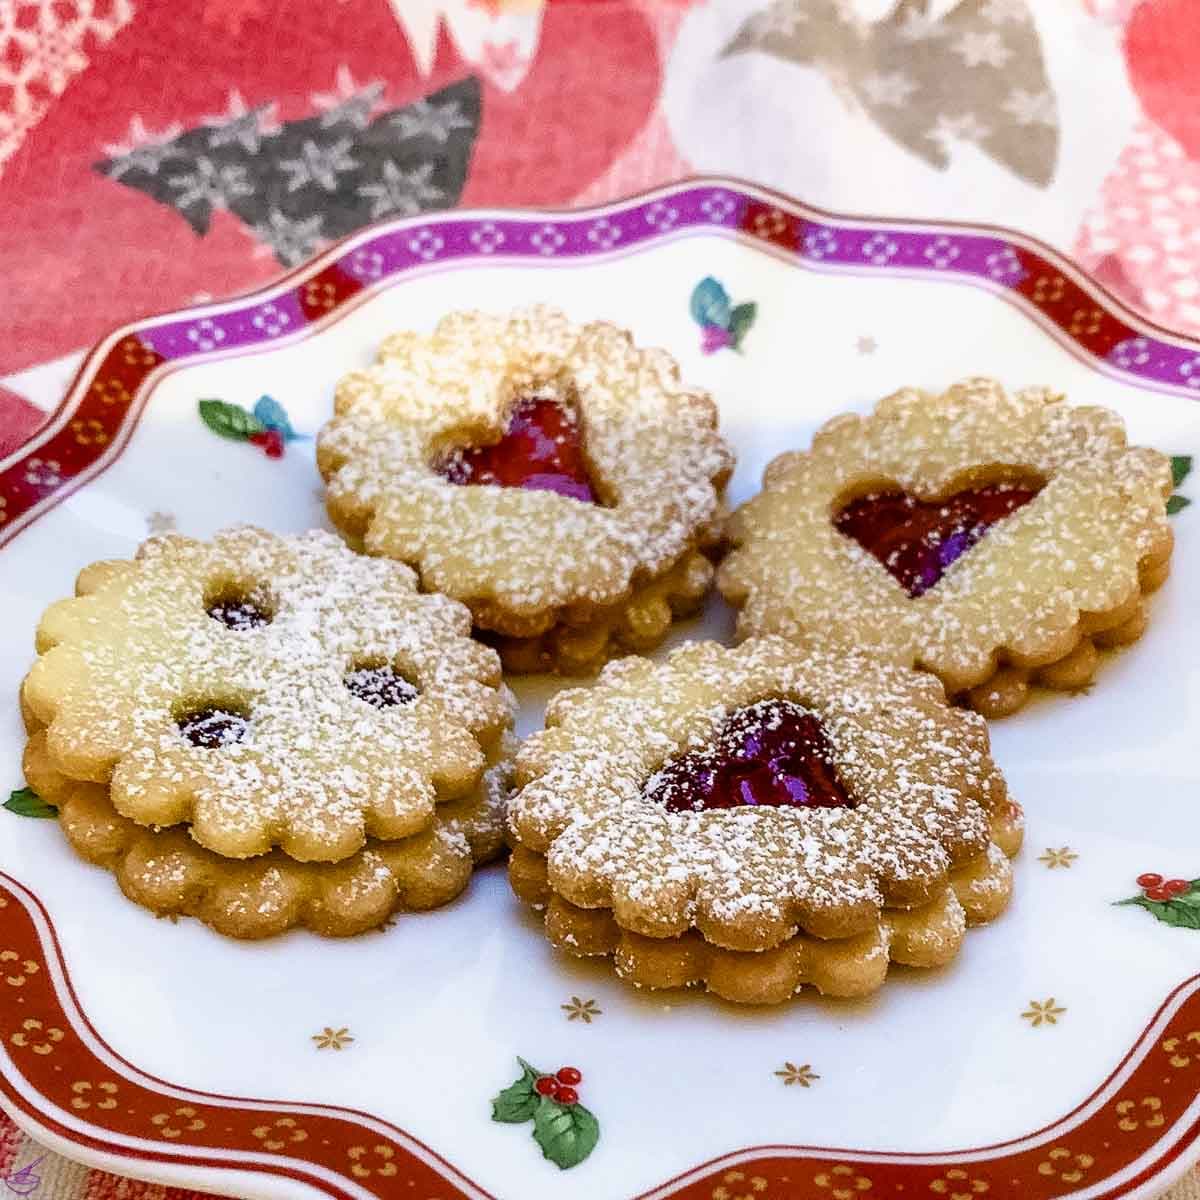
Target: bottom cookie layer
(1010,686)
(582,646)
(925,937)
(169,873)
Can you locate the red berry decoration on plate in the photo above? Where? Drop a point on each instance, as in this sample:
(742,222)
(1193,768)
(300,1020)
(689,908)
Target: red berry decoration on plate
(1175,887)
(267,426)
(1149,880)
(1157,893)
(565,1131)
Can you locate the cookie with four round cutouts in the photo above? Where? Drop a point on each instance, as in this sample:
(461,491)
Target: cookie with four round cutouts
(171,874)
(266,691)
(559,480)
(994,539)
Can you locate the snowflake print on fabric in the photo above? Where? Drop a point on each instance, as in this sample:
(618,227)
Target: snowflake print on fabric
(246,126)
(319,164)
(298,184)
(929,80)
(349,103)
(143,149)
(401,193)
(206,186)
(44,44)
(426,119)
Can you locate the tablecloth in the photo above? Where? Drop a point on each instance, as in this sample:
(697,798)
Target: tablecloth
(153,152)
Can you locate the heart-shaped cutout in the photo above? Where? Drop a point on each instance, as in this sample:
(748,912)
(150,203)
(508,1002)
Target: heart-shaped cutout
(541,449)
(771,753)
(917,540)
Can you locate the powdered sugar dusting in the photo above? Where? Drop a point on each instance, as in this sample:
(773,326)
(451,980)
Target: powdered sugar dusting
(317,769)
(651,445)
(1075,547)
(919,772)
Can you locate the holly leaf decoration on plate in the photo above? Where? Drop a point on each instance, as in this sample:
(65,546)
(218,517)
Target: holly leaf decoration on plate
(25,802)
(710,304)
(518,1102)
(1180,912)
(1181,468)
(230,420)
(567,1133)
(272,415)
(740,320)
(721,324)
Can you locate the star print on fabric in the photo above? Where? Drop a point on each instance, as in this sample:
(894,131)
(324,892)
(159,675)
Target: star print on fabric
(292,241)
(319,164)
(209,185)
(297,184)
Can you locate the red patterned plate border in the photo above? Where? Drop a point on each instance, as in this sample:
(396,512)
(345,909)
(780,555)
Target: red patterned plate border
(58,1077)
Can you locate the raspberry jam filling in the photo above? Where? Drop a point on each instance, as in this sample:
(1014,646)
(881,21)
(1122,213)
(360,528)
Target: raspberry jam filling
(918,539)
(773,752)
(380,687)
(238,614)
(541,449)
(212,728)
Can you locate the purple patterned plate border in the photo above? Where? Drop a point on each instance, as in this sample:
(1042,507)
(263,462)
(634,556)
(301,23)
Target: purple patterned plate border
(101,408)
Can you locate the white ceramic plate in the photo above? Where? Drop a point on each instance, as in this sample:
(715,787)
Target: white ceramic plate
(166,1051)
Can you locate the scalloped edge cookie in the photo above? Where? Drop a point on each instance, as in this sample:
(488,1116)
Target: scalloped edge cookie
(929,799)
(167,872)
(528,563)
(925,937)
(1029,603)
(319,770)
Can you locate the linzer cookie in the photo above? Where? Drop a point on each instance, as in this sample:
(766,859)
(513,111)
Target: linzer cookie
(994,539)
(555,478)
(266,691)
(761,818)
(169,873)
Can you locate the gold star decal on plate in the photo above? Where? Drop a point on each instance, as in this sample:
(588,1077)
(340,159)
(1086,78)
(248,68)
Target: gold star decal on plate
(581,1010)
(1043,1012)
(1064,856)
(332,1039)
(803,1075)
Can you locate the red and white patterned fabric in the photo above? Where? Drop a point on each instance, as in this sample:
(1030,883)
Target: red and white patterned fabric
(151,152)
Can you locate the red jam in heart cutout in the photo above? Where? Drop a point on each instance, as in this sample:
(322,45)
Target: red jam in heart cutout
(541,449)
(773,752)
(918,539)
